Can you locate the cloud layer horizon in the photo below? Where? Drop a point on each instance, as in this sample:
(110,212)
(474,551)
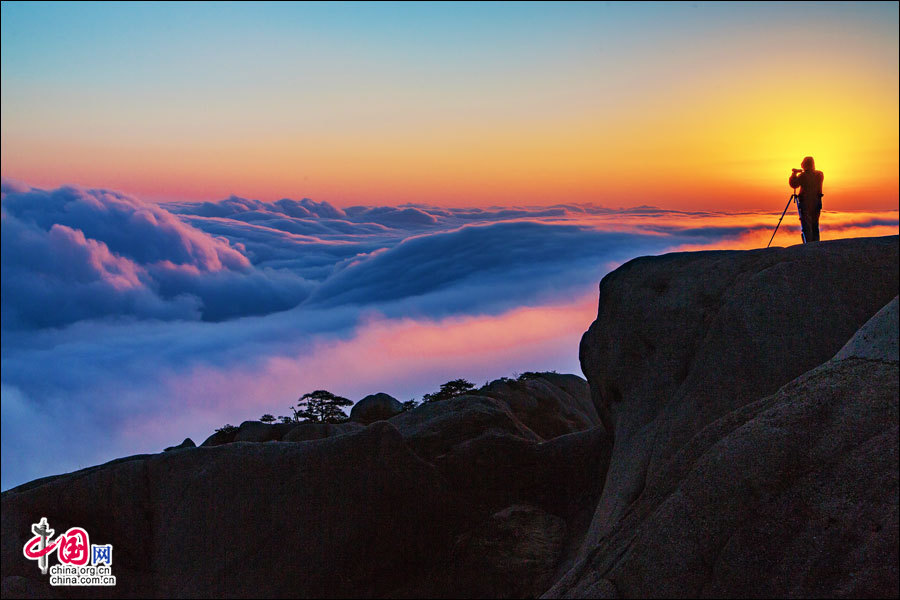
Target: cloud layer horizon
(129,325)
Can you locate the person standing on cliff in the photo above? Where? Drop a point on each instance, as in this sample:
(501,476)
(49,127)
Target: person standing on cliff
(810,198)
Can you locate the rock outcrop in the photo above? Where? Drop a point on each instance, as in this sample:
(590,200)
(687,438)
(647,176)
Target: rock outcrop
(305,432)
(536,409)
(877,339)
(187,443)
(549,404)
(221,436)
(335,510)
(511,554)
(255,431)
(348,516)
(683,339)
(375,407)
(738,467)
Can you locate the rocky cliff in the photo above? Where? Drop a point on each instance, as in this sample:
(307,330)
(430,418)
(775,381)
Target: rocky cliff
(745,462)
(402,507)
(748,447)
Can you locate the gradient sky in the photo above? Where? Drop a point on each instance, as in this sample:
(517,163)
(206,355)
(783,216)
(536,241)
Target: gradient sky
(678,105)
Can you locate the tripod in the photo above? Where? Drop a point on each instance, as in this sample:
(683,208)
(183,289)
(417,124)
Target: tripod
(796,199)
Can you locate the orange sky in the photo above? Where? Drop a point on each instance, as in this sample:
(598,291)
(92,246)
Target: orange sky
(669,105)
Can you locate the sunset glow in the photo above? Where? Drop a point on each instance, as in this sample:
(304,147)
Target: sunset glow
(676,105)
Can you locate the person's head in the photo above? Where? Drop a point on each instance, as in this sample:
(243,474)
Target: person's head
(808,164)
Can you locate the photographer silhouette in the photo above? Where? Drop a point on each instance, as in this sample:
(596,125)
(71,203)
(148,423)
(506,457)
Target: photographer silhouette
(810,197)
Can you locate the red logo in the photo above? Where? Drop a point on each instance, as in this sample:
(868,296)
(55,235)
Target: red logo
(71,547)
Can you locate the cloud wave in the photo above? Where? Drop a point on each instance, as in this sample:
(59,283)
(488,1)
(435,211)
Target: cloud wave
(129,325)
(72,254)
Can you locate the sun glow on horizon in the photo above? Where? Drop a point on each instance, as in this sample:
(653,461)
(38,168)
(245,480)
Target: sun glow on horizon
(619,104)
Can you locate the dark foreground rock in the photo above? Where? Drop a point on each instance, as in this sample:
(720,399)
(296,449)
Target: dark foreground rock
(375,407)
(187,443)
(720,483)
(331,510)
(683,339)
(305,432)
(511,554)
(341,517)
(255,431)
(535,441)
(794,495)
(536,409)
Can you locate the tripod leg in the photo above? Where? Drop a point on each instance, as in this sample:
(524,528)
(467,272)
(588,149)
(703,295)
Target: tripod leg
(779,220)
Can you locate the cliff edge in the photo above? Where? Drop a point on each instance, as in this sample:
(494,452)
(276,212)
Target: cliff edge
(752,455)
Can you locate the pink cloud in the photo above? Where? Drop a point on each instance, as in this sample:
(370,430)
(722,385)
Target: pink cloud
(403,357)
(90,260)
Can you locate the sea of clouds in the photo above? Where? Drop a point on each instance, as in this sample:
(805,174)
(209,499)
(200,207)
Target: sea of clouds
(129,325)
